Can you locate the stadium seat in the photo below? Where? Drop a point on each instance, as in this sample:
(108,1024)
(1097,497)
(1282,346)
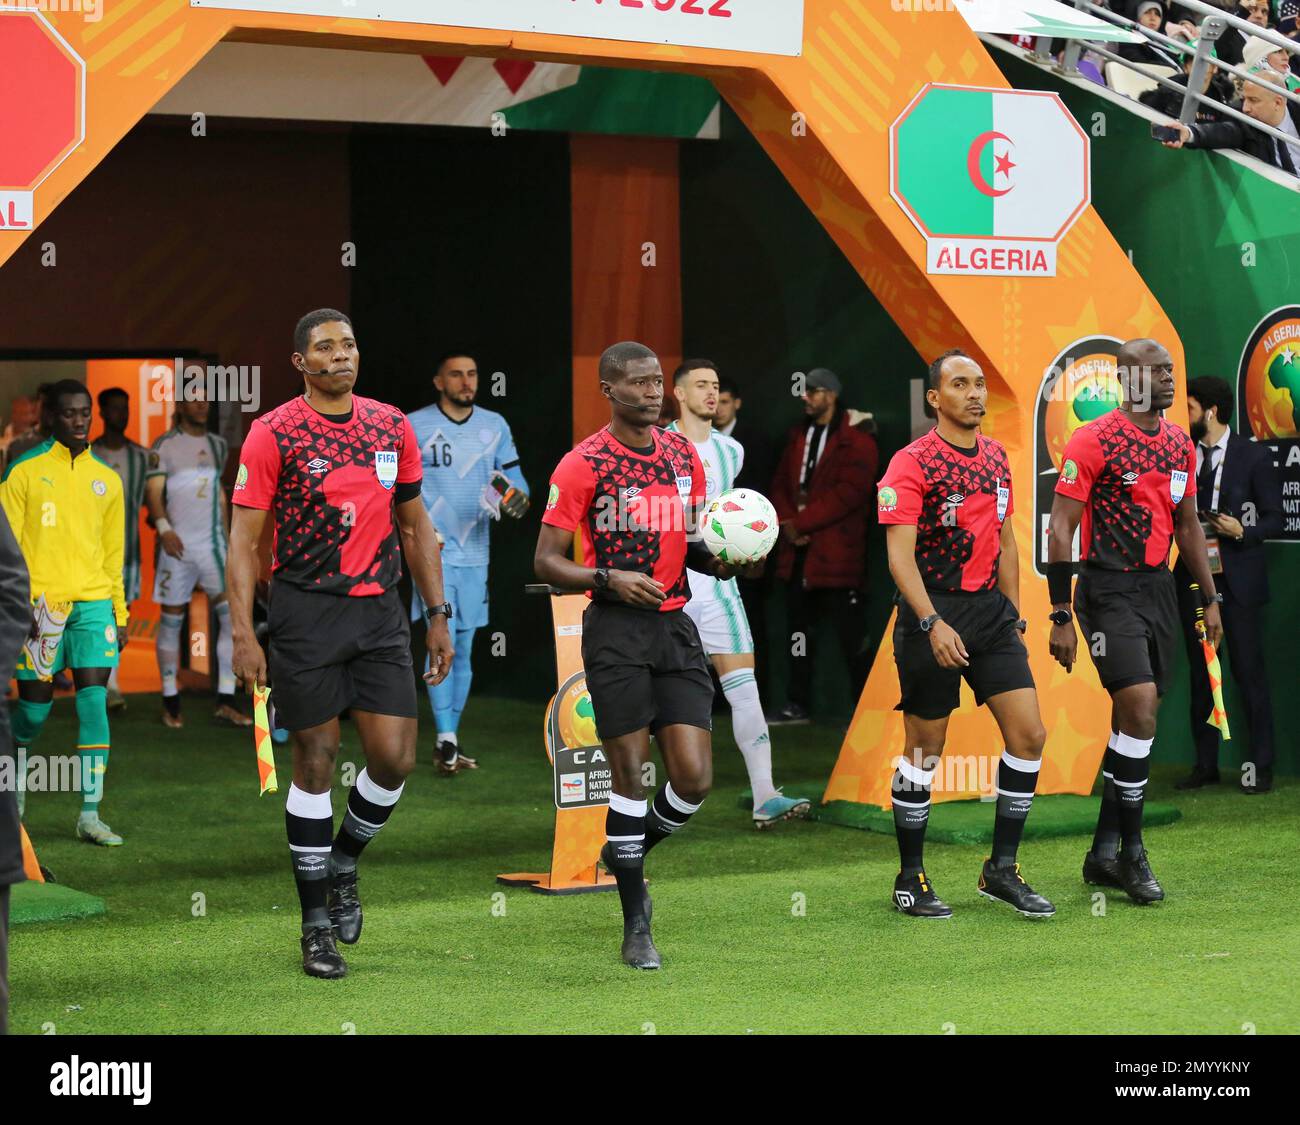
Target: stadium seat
(1127,81)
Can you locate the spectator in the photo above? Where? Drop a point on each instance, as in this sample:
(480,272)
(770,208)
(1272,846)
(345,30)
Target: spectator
(821,491)
(15,619)
(24,420)
(1239,496)
(1260,54)
(1232,42)
(1149,14)
(1214,84)
(756,473)
(35,434)
(1261,100)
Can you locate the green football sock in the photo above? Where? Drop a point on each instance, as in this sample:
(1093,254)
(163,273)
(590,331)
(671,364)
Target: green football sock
(27,720)
(92,744)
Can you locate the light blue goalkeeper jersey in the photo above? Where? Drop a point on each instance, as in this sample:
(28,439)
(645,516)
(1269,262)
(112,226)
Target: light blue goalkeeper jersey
(459,459)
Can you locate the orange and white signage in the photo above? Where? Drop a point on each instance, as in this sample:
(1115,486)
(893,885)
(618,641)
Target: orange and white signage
(764,27)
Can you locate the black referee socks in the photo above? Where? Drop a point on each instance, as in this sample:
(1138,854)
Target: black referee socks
(667,814)
(309,822)
(1017,780)
(369,807)
(625,852)
(911,801)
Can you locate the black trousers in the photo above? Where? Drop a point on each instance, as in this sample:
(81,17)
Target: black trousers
(1243,639)
(805,610)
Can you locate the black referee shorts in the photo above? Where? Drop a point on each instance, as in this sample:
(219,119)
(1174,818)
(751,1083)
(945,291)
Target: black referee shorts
(1130,625)
(644,669)
(329,652)
(986,623)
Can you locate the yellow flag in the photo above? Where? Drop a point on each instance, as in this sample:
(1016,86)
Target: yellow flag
(262,737)
(1218,715)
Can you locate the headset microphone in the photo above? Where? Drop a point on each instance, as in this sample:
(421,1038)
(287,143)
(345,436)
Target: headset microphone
(632,405)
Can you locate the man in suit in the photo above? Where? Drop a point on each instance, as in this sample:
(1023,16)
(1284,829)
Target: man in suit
(1239,496)
(1261,99)
(821,490)
(15,620)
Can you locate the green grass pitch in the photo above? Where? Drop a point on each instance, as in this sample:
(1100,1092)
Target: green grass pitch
(786,931)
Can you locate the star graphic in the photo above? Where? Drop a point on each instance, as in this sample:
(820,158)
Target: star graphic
(1002,164)
(1287,354)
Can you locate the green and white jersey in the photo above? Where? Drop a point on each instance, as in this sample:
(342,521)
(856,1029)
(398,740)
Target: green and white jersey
(192,465)
(130,462)
(722,458)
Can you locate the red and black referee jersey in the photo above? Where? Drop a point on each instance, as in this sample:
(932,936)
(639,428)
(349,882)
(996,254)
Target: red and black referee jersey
(331,485)
(958,500)
(631,505)
(1130,482)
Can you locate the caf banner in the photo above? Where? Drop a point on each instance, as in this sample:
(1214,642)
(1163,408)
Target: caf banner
(1268,402)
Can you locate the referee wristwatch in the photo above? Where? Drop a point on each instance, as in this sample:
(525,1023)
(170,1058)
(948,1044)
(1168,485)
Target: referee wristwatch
(1059,617)
(433,611)
(600,579)
(1212,599)
(927,623)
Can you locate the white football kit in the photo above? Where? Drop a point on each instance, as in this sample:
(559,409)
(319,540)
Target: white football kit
(192,465)
(715,606)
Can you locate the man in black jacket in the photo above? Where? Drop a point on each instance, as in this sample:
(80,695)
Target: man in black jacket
(1261,98)
(1239,496)
(15,620)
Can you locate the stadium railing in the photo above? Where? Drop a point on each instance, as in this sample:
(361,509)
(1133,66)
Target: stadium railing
(1214,23)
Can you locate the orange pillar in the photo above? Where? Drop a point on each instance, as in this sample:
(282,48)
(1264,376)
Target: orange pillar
(627,280)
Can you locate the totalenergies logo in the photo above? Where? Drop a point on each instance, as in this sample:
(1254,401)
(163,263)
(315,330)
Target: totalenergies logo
(1269,376)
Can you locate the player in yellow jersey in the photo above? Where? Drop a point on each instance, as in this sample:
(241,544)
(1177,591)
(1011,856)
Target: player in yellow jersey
(65,508)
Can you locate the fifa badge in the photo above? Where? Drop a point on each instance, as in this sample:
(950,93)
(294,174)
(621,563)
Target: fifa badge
(386,467)
(1177,484)
(1004,500)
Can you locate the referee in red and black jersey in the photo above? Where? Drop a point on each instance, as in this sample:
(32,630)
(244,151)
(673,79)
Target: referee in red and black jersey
(1129,477)
(342,475)
(946,500)
(635,491)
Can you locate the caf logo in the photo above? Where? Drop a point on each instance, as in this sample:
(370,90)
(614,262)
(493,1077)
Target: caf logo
(1079,386)
(887,499)
(1268,377)
(570,721)
(98,487)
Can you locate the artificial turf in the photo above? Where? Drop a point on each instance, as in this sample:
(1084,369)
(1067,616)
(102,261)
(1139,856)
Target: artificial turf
(783,931)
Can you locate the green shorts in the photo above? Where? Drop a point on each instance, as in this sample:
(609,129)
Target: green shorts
(89,641)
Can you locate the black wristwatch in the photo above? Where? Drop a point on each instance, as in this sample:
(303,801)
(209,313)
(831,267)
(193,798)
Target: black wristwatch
(1022,625)
(927,623)
(600,580)
(433,611)
(1208,601)
(1059,617)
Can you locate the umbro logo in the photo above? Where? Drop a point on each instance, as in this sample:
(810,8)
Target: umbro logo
(954,498)
(317,465)
(630,492)
(904,899)
(1130,477)
(630,849)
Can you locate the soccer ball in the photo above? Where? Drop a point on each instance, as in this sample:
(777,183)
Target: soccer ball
(740,526)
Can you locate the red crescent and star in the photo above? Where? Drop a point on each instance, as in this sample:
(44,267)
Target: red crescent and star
(1002,165)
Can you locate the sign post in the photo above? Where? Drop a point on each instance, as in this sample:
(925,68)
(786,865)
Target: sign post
(582,776)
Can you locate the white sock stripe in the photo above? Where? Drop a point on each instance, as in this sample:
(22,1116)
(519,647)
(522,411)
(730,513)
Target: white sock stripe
(1110,742)
(1129,784)
(374,793)
(367,823)
(627,806)
(323,850)
(1021,764)
(910,804)
(1014,793)
(740,676)
(666,820)
(313,806)
(1132,747)
(915,774)
(1108,776)
(624,839)
(677,803)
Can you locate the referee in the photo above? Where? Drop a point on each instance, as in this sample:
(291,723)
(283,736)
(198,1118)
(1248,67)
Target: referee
(342,474)
(635,490)
(1129,478)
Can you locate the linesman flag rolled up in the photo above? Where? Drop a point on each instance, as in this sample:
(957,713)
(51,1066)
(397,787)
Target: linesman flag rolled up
(1218,715)
(262,738)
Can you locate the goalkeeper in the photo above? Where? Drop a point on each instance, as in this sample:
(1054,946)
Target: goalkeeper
(471,475)
(65,507)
